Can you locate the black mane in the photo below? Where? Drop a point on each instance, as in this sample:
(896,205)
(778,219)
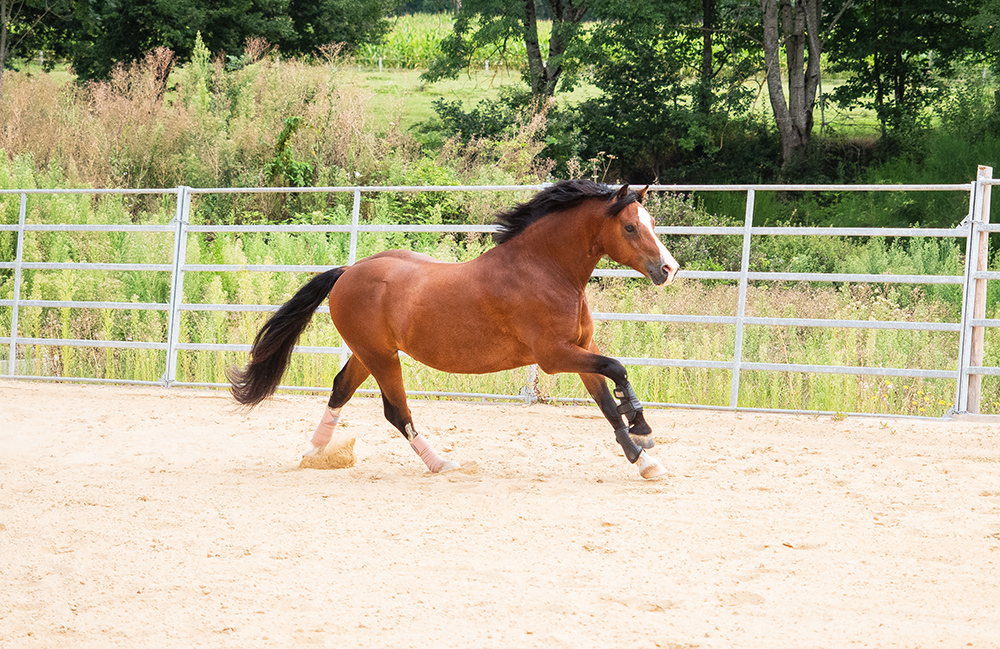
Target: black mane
(563,195)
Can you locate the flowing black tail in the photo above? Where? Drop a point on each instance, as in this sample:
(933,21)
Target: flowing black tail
(272,348)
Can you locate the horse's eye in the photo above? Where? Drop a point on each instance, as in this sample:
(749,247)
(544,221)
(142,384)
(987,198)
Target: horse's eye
(630,228)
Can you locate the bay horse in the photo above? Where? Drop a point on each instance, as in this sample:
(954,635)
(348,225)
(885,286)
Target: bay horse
(520,303)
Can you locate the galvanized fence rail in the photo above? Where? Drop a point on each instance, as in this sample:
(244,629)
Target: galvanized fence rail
(967,374)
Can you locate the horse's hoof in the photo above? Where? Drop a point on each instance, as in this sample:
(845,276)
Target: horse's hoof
(449,465)
(649,467)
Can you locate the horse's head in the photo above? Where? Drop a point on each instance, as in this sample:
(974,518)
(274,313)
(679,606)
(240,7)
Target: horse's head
(630,240)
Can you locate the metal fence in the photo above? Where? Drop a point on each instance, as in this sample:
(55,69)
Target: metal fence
(967,373)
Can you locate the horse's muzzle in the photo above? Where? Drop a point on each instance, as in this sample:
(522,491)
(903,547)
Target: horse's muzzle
(663,273)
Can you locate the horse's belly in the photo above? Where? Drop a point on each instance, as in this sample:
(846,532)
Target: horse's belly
(463,354)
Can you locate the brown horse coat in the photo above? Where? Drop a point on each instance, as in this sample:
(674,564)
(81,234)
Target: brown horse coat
(519,303)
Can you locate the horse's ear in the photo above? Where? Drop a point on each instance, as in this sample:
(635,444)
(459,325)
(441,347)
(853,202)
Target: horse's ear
(622,193)
(642,193)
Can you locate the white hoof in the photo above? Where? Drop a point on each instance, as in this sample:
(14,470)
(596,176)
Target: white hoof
(316,450)
(448,465)
(649,467)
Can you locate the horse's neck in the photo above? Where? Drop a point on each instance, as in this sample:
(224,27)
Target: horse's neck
(567,244)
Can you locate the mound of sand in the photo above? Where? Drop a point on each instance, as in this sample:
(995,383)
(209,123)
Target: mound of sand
(338,454)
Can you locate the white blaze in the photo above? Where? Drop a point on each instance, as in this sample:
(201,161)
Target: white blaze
(666,259)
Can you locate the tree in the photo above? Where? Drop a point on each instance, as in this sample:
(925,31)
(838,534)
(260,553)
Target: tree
(22,26)
(671,77)
(894,50)
(118,32)
(495,25)
(986,25)
(796,26)
(320,22)
(112,32)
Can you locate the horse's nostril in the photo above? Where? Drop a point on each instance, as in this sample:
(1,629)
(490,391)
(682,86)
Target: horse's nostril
(670,270)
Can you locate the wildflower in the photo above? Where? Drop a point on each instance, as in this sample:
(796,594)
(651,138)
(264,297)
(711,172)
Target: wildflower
(942,402)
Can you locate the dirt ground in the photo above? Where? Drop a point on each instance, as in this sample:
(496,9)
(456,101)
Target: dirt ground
(164,517)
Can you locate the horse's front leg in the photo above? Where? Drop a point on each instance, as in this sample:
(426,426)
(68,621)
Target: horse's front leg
(632,444)
(631,408)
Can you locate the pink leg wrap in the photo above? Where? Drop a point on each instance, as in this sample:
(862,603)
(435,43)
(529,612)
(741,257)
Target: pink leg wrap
(427,453)
(325,429)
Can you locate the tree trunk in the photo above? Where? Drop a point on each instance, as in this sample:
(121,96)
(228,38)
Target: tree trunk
(707,29)
(4,19)
(536,67)
(565,18)
(794,23)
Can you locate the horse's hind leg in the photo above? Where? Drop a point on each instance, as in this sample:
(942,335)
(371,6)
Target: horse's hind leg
(350,377)
(389,375)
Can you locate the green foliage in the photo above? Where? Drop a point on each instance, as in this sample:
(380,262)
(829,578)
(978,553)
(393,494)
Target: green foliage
(115,33)
(970,110)
(652,115)
(505,117)
(892,52)
(284,170)
(29,27)
(986,25)
(106,33)
(497,29)
(320,22)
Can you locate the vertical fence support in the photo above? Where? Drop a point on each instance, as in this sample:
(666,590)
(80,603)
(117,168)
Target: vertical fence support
(734,392)
(965,334)
(352,253)
(528,391)
(181,220)
(22,215)
(352,256)
(982,262)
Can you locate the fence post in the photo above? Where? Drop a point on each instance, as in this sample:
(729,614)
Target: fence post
(529,392)
(965,332)
(177,283)
(734,393)
(12,361)
(352,254)
(982,263)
